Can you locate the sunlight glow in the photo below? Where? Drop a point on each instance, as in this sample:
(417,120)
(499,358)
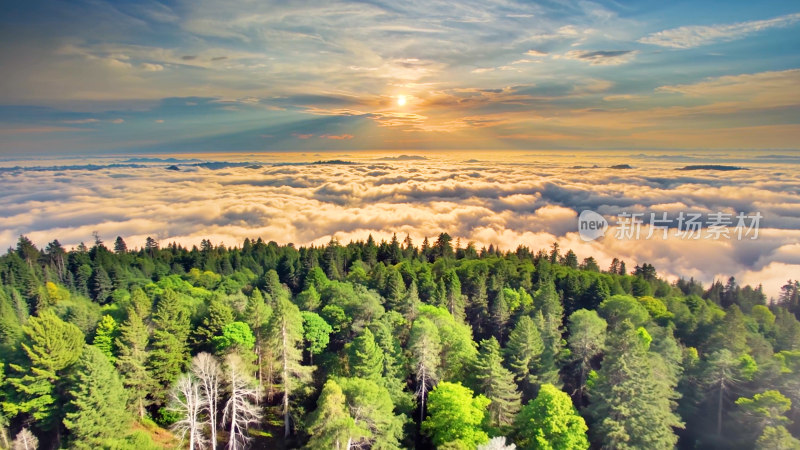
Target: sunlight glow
(401,100)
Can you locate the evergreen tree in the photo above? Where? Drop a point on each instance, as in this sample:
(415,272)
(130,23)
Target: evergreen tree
(100,285)
(587,337)
(630,407)
(169,353)
(500,315)
(366,358)
(371,408)
(51,347)
(550,422)
(219,314)
(523,352)
(286,338)
(96,411)
(132,361)
(497,384)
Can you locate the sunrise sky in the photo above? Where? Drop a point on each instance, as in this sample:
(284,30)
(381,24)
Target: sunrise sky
(98,77)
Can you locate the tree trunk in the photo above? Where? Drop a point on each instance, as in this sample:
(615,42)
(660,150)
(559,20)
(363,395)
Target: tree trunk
(286,429)
(719,407)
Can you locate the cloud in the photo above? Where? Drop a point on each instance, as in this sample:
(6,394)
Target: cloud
(152,67)
(340,137)
(696,36)
(80,121)
(522,198)
(602,57)
(117,121)
(303,135)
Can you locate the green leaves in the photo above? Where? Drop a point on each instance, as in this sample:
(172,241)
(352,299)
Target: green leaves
(455,416)
(550,422)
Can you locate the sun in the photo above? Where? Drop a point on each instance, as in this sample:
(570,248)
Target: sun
(401,100)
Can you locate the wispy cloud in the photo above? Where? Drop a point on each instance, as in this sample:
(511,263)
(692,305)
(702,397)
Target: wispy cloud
(695,36)
(602,57)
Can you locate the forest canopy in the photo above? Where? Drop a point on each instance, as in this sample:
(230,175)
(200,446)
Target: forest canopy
(385,345)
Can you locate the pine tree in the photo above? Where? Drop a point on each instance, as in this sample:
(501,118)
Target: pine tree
(366,358)
(497,384)
(100,285)
(587,337)
(425,346)
(331,425)
(632,409)
(96,411)
(169,354)
(132,361)
(219,314)
(500,315)
(104,336)
(371,408)
(51,346)
(257,314)
(523,352)
(286,338)
(550,422)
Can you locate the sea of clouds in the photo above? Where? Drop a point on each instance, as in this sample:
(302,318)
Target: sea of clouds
(501,199)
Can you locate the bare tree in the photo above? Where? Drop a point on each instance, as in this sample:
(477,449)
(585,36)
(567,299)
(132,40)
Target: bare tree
(208,372)
(188,400)
(240,409)
(25,440)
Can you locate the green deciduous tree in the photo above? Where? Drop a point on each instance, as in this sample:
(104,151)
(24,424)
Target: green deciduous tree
(331,425)
(316,333)
(455,416)
(550,422)
(96,410)
(104,337)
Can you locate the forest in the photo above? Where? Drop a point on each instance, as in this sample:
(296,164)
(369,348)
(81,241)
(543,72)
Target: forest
(385,345)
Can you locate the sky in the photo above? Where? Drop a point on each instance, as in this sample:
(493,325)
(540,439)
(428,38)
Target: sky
(111,77)
(496,121)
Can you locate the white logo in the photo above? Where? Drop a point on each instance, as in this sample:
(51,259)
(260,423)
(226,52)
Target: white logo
(591,225)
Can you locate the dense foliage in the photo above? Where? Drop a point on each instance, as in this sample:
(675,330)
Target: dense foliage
(385,345)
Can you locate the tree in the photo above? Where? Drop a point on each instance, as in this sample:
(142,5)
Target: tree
(120,246)
(209,375)
(425,346)
(96,411)
(777,438)
(236,337)
(500,314)
(331,425)
(497,443)
(764,410)
(587,337)
(219,315)
(455,416)
(366,358)
(632,409)
(240,409)
(187,401)
(104,336)
(25,440)
(548,318)
(497,384)
(170,353)
(132,361)
(257,314)
(551,422)
(286,338)
(316,333)
(100,285)
(523,352)
(51,346)
(371,408)
(723,371)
